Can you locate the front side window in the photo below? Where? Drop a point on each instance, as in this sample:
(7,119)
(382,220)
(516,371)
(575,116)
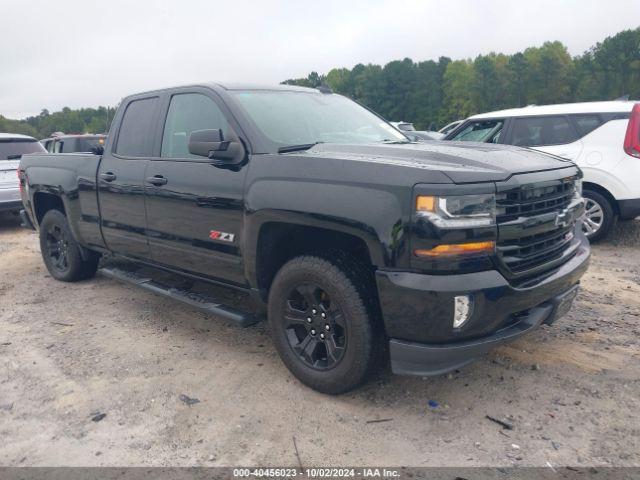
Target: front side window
(538,131)
(135,138)
(189,112)
(480,131)
(298,118)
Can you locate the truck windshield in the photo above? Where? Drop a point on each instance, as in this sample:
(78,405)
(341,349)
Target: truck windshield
(299,118)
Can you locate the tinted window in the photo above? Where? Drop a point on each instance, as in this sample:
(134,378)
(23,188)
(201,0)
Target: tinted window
(480,131)
(14,148)
(537,131)
(135,138)
(586,123)
(189,112)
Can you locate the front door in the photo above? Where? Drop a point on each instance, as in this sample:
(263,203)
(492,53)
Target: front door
(121,179)
(194,209)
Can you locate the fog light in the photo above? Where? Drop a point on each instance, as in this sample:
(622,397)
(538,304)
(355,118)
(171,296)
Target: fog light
(462,310)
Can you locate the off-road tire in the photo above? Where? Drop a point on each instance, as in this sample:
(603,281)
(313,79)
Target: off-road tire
(350,284)
(54,226)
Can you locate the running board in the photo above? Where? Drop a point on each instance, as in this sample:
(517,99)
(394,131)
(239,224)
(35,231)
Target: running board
(193,299)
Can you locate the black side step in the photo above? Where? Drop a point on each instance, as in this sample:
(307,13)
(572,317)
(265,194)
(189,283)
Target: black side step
(193,299)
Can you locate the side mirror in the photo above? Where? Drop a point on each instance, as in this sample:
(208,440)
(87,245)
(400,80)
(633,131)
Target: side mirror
(97,150)
(211,144)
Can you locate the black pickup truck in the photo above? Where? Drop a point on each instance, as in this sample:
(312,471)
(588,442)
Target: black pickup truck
(357,243)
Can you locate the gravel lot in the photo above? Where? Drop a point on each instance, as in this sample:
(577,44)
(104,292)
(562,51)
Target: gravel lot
(69,352)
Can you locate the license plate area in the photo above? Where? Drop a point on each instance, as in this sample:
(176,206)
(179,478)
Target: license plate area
(563,302)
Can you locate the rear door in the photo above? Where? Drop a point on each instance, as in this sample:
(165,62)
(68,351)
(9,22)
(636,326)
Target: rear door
(121,177)
(554,134)
(194,208)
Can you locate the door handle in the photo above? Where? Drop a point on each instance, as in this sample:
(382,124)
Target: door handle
(108,176)
(157,180)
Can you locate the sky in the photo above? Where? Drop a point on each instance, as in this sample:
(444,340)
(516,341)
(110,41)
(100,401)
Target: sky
(87,53)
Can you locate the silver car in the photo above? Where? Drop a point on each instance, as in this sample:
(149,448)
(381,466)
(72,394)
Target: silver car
(12,147)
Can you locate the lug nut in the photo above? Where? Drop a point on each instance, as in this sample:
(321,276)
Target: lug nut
(323,315)
(313,332)
(309,320)
(327,327)
(314,311)
(322,336)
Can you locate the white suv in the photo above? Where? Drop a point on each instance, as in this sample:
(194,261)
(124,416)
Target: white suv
(602,138)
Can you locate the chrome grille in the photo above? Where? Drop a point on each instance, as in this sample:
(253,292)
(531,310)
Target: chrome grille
(529,236)
(530,201)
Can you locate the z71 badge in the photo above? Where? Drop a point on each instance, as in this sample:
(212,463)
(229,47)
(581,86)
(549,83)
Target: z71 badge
(222,236)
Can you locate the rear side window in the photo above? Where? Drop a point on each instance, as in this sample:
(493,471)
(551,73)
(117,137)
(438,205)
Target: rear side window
(538,131)
(12,149)
(189,112)
(586,123)
(480,131)
(135,138)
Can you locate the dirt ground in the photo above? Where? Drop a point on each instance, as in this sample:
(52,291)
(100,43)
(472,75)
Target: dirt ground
(69,352)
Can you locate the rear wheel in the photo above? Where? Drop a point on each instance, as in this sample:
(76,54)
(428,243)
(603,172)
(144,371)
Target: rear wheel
(599,216)
(61,253)
(322,323)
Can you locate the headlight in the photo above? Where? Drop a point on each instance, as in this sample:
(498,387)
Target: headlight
(458,211)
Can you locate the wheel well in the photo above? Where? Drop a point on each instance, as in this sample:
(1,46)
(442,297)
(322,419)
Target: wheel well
(605,193)
(43,202)
(280,242)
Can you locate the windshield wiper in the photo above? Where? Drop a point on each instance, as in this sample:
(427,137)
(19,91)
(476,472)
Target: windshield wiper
(395,142)
(297,148)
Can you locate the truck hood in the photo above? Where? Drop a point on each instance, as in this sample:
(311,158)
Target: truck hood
(462,162)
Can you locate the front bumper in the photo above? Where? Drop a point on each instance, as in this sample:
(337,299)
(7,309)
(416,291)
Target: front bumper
(409,358)
(418,313)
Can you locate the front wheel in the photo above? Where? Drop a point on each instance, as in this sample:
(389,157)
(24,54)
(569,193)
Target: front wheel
(321,319)
(61,253)
(599,216)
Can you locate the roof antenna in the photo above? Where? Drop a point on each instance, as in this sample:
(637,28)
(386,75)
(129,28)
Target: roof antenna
(324,88)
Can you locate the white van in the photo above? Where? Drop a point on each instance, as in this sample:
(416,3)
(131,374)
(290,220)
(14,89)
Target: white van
(602,138)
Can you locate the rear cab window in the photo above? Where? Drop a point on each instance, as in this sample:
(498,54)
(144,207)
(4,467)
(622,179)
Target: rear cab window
(486,131)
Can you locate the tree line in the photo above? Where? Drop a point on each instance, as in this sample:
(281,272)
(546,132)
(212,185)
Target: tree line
(83,120)
(432,93)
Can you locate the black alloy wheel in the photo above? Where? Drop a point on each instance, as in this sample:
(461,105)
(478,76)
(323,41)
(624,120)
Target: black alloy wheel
(315,327)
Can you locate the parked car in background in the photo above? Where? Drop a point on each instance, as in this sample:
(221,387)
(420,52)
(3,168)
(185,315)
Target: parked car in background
(404,126)
(602,138)
(424,135)
(12,147)
(410,130)
(61,143)
(449,127)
